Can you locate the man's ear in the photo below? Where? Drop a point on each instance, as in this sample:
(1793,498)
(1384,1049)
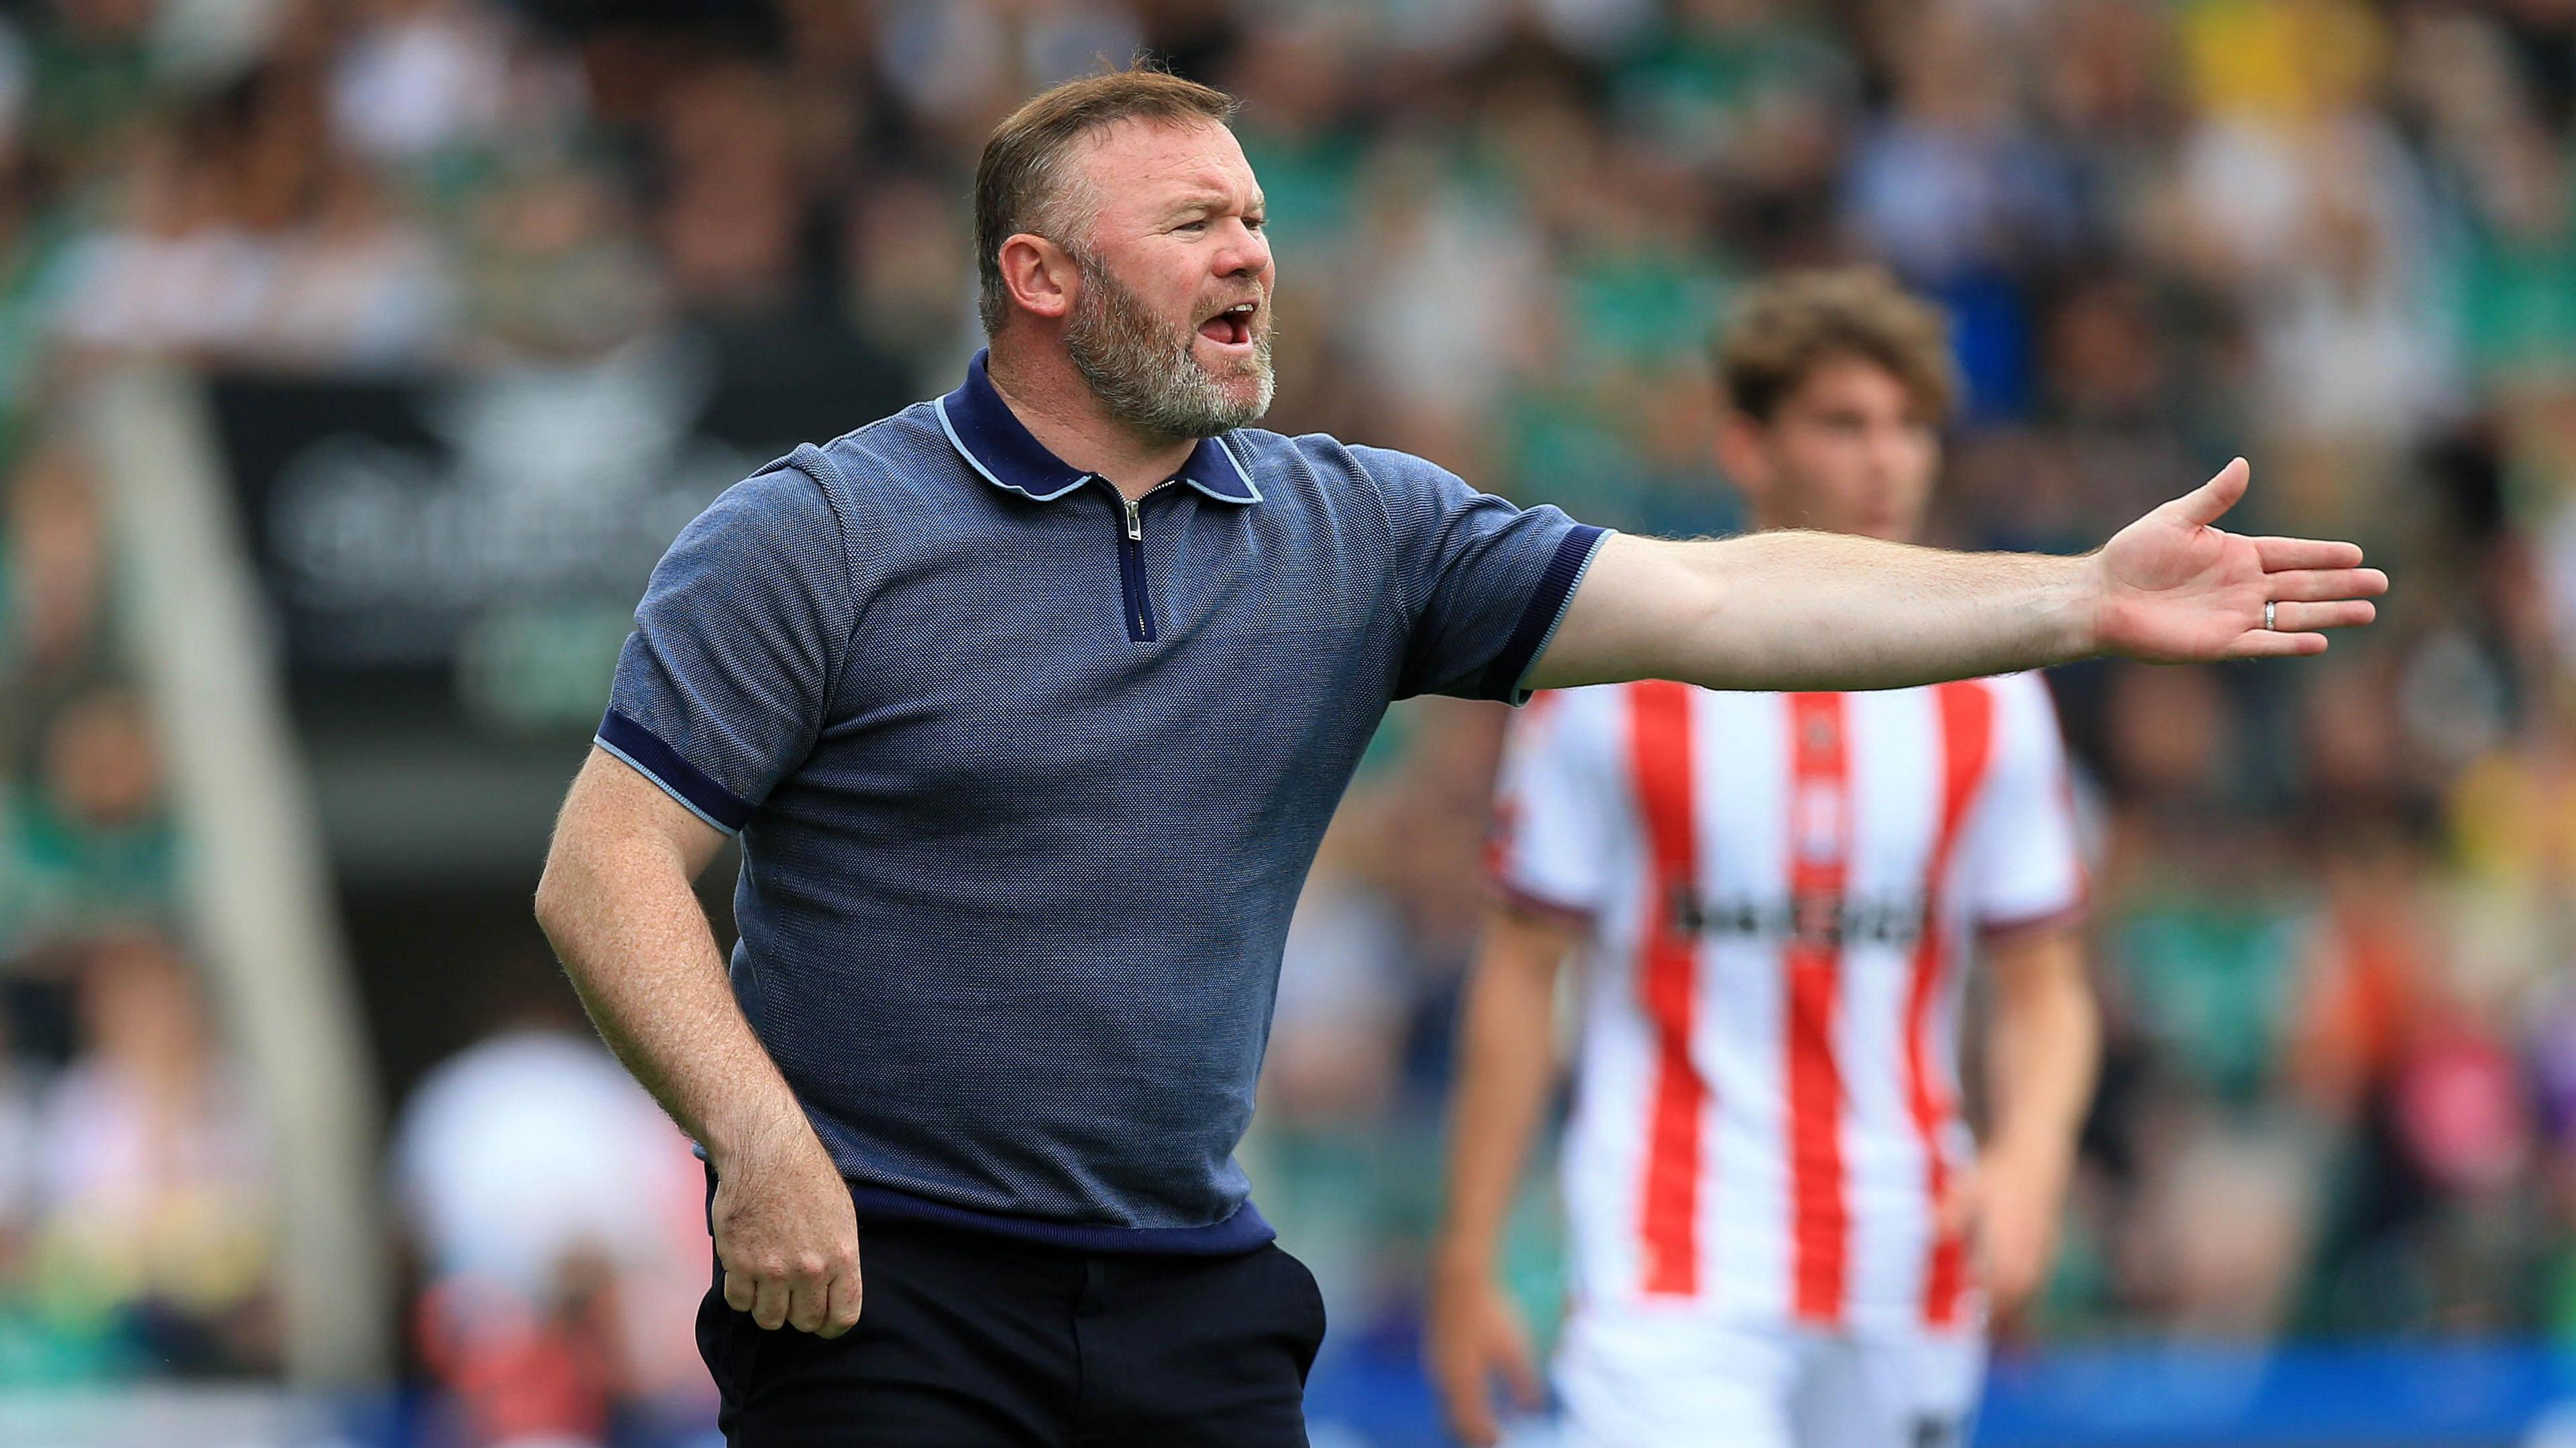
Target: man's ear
(1039,275)
(1742,456)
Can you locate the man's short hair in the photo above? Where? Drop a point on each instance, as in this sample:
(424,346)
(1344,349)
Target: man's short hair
(1021,183)
(1787,326)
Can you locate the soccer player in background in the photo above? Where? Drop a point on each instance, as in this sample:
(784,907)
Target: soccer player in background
(1782,1231)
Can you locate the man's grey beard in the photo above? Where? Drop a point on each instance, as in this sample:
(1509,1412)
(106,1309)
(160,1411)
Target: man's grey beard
(1143,375)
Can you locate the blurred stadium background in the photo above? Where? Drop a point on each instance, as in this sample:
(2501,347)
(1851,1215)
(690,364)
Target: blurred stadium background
(358,357)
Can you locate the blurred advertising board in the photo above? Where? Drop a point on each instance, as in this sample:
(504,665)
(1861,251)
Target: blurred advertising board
(469,549)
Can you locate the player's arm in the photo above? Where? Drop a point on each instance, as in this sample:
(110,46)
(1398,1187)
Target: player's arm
(2043,1050)
(616,903)
(1505,1068)
(1801,610)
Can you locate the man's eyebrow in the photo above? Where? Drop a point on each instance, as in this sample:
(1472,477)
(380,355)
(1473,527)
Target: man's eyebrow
(1211,199)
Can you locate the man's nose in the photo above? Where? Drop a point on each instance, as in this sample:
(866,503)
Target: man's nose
(1245,254)
(1888,449)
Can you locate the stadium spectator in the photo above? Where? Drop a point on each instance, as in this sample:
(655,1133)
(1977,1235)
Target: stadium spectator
(154,1178)
(558,1219)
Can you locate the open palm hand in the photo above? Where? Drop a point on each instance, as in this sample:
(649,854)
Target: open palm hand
(2173,587)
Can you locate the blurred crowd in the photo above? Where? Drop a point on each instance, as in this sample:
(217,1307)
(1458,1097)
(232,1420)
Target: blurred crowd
(136,1184)
(2335,916)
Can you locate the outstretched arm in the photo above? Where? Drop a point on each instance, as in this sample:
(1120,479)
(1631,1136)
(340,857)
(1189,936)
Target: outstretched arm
(1799,610)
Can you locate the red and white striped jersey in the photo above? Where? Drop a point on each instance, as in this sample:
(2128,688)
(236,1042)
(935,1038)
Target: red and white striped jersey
(1781,889)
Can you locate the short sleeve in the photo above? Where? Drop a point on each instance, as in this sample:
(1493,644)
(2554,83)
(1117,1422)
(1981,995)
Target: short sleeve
(1554,806)
(721,689)
(1486,581)
(2028,866)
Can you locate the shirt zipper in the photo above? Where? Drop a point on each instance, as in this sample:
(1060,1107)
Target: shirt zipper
(1139,600)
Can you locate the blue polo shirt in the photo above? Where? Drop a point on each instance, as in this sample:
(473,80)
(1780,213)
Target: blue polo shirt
(1028,780)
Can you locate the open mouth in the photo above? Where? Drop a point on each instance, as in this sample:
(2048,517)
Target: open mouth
(1231,327)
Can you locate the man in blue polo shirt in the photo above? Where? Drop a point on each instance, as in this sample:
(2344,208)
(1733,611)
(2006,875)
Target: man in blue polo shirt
(1030,705)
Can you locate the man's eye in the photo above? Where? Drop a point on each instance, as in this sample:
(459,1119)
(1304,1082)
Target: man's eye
(1256,222)
(1192,226)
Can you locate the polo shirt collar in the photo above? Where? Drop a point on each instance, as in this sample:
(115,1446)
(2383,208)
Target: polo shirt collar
(996,444)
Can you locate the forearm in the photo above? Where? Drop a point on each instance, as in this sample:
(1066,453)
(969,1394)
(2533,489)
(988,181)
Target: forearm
(1505,1067)
(1803,610)
(1794,610)
(2045,1051)
(638,949)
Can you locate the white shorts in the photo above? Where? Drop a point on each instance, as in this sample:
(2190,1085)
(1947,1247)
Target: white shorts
(1635,1379)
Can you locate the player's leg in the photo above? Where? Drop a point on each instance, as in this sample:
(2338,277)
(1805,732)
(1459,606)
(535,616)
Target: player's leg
(1630,1379)
(963,1341)
(1899,1390)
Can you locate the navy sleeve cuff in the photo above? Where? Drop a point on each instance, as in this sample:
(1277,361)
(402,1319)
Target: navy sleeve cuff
(679,779)
(1502,679)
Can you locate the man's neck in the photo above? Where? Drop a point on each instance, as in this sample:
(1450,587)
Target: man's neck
(1052,400)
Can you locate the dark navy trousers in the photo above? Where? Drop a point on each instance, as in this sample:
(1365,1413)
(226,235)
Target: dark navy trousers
(967,1339)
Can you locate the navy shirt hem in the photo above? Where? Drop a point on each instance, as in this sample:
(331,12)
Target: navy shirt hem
(1242,1231)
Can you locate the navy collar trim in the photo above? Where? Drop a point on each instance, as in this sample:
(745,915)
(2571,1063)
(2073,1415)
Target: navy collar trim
(997,445)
